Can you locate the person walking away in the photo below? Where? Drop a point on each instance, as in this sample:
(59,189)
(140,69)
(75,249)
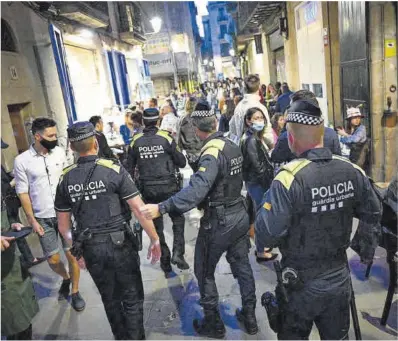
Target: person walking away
(13,204)
(18,300)
(228,112)
(278,123)
(101,196)
(284,99)
(104,149)
(282,153)
(355,137)
(169,121)
(157,158)
(189,141)
(37,172)
(299,214)
(257,169)
(250,100)
(216,186)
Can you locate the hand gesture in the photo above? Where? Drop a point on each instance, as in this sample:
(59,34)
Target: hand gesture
(150,211)
(38,229)
(17,226)
(154,251)
(5,242)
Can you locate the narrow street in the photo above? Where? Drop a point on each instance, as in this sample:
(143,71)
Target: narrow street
(171,305)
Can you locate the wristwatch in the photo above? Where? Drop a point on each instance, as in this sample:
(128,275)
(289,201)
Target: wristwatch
(162,209)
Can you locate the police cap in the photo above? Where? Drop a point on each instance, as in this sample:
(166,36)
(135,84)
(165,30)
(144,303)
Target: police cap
(80,131)
(151,114)
(304,112)
(202,109)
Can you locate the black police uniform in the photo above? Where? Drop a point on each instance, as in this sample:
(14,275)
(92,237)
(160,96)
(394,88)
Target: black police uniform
(156,156)
(224,226)
(111,256)
(308,213)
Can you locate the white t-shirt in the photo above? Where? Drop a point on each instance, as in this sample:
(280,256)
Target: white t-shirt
(169,123)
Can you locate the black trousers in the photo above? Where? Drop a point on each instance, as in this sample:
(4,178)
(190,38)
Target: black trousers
(178,237)
(115,270)
(324,301)
(225,231)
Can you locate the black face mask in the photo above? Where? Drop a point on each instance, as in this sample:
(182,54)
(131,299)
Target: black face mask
(49,144)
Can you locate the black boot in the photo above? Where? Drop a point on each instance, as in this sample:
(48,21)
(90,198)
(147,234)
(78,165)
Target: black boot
(167,269)
(248,317)
(64,290)
(179,261)
(211,326)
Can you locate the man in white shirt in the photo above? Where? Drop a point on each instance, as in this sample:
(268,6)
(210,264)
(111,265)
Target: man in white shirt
(169,121)
(37,173)
(250,100)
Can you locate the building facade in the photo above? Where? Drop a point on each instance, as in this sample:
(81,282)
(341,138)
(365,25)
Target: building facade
(344,52)
(68,61)
(173,53)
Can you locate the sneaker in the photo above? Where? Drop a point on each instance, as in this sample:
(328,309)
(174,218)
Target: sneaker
(180,262)
(211,326)
(248,319)
(64,290)
(78,302)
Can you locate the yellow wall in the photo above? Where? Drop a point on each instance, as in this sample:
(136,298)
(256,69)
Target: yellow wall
(291,56)
(259,63)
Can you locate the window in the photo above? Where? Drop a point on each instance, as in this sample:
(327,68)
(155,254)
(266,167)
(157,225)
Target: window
(7,38)
(224,50)
(318,91)
(223,31)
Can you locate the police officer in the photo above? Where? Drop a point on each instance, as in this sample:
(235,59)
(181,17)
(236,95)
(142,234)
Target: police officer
(217,187)
(95,191)
(308,213)
(157,158)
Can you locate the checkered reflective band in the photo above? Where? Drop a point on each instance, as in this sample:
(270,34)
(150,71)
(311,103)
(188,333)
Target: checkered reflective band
(301,118)
(81,137)
(150,117)
(203,113)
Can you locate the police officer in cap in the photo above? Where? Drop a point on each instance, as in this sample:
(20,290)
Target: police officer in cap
(217,187)
(156,156)
(308,213)
(95,191)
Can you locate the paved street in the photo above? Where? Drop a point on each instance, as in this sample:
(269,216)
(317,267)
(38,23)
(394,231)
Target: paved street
(170,305)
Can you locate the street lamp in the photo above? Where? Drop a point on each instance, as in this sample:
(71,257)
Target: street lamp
(156,23)
(232,52)
(205,62)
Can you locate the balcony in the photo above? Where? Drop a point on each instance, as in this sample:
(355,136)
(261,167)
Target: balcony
(252,14)
(130,24)
(92,14)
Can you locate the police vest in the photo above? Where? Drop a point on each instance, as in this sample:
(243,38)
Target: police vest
(322,222)
(228,184)
(154,161)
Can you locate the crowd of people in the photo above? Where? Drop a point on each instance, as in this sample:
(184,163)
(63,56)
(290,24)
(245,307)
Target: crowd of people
(232,134)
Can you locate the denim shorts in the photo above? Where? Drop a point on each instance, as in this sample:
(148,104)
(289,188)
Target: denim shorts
(49,242)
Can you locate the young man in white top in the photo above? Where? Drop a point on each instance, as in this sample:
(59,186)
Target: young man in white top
(250,100)
(37,173)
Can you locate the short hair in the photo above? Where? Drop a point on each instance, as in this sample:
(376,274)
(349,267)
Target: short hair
(154,101)
(137,116)
(252,83)
(41,123)
(285,87)
(150,123)
(95,119)
(304,95)
(83,146)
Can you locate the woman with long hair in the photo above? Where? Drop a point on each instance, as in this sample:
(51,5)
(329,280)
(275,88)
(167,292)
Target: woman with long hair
(257,168)
(278,123)
(227,113)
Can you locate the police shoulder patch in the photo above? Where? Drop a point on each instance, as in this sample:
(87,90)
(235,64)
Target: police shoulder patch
(109,164)
(165,134)
(211,151)
(285,177)
(337,157)
(135,138)
(69,168)
(216,143)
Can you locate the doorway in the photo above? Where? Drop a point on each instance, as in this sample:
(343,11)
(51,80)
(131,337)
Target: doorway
(18,126)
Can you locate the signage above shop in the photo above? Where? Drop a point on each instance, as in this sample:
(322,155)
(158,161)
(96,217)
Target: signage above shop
(161,63)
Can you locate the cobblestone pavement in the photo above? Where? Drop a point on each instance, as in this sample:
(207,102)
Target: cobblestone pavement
(171,304)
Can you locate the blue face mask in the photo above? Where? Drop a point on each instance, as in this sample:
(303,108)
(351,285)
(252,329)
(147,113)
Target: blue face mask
(258,126)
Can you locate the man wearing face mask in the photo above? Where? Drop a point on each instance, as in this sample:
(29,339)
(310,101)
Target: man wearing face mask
(37,172)
(216,186)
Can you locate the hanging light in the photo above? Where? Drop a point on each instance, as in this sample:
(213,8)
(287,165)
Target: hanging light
(85,33)
(156,23)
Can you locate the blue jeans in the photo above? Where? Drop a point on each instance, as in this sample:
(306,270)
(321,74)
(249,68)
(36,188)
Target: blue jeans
(256,192)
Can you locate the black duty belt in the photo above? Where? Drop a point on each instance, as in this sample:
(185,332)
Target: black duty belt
(215,204)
